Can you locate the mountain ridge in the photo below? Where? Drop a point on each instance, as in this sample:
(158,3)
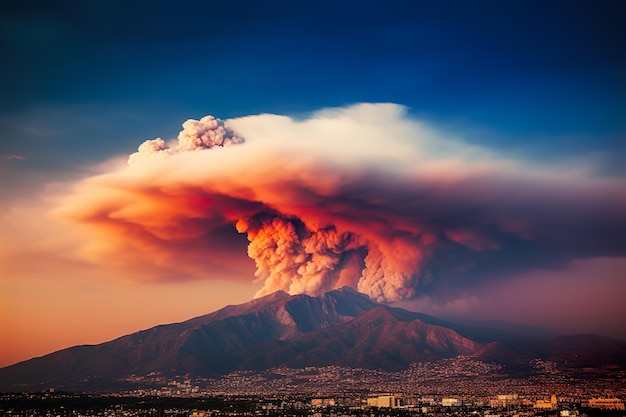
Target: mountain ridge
(341,327)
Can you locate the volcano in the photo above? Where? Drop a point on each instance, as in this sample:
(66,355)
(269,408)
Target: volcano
(341,327)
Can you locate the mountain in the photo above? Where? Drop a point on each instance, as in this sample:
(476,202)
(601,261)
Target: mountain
(378,338)
(341,327)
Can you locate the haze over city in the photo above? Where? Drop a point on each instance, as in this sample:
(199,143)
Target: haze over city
(162,160)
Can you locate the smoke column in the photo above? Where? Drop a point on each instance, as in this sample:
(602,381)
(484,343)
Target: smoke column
(297,258)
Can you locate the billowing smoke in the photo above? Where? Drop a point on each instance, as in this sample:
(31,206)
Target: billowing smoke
(196,134)
(295,257)
(362,196)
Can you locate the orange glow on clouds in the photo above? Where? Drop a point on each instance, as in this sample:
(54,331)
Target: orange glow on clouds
(364,185)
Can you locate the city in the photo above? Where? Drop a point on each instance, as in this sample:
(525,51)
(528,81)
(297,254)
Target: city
(52,404)
(459,386)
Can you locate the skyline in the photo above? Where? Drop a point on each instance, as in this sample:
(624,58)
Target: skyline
(476,148)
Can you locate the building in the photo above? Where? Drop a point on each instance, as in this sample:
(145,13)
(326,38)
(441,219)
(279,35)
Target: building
(389,401)
(504,400)
(322,402)
(545,404)
(450,402)
(606,403)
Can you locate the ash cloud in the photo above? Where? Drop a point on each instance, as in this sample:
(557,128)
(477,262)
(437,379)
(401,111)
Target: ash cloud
(296,257)
(362,196)
(205,133)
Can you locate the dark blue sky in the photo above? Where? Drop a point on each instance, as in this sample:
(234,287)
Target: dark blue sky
(97,78)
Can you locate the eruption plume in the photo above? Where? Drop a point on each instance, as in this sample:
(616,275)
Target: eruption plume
(362,196)
(196,134)
(295,257)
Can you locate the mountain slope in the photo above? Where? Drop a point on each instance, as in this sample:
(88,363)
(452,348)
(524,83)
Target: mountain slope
(341,327)
(379,338)
(208,345)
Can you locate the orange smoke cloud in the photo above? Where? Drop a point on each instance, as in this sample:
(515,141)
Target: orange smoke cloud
(362,196)
(295,257)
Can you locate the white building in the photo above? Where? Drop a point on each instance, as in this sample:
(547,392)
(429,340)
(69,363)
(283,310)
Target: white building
(450,402)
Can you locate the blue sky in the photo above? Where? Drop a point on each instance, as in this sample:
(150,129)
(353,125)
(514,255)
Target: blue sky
(540,77)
